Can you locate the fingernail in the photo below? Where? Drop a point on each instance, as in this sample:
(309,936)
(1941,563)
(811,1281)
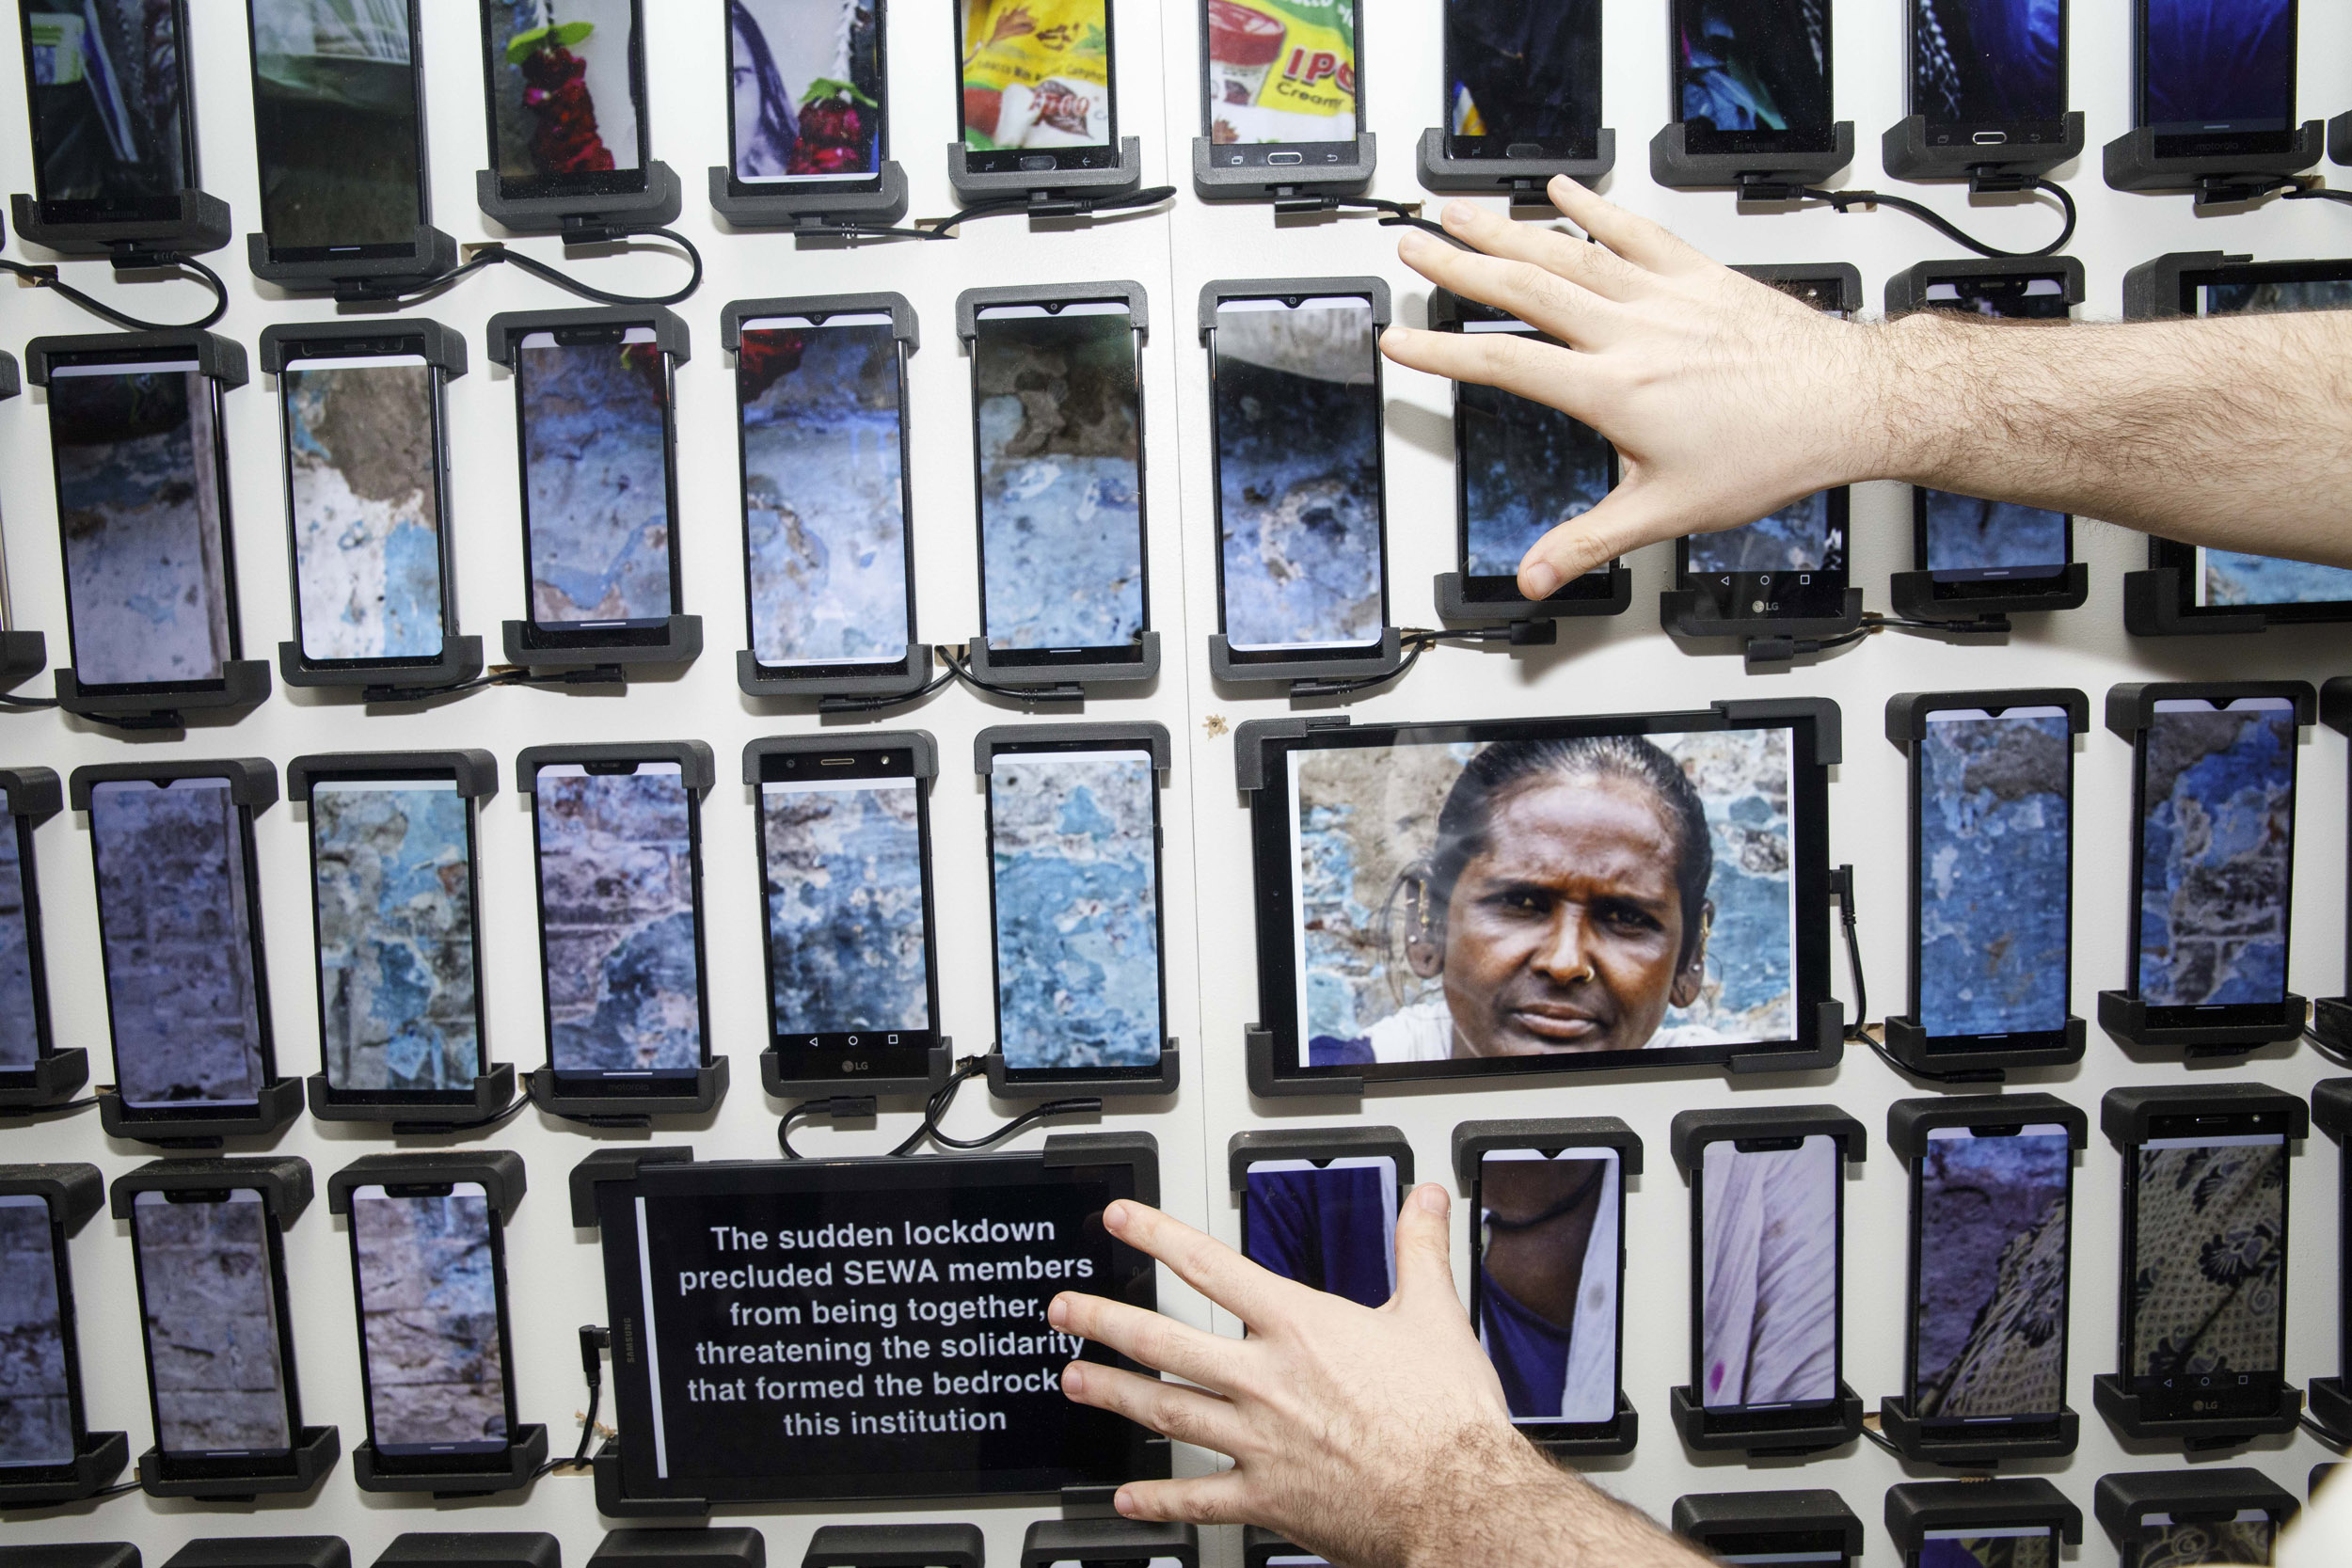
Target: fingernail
(1456,213)
(1432,1199)
(1539,579)
(1115,1217)
(1058,1312)
(1073,1378)
(1124,1502)
(1413,240)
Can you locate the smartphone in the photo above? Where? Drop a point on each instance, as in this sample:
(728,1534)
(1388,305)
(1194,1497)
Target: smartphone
(2214,78)
(2213,860)
(845,865)
(1988,1546)
(1329,1225)
(41,1424)
(1753,76)
(394,902)
(1990,1232)
(367,484)
(1546,1288)
(2245,1537)
(2203,1326)
(338,127)
(1974,548)
(1767,1332)
(565,81)
(108,89)
(429,1269)
(1991,878)
(1988,74)
(1301,483)
(599,483)
(829,561)
(1791,565)
(621,925)
(220,1365)
(1520,470)
(1523,78)
(179,926)
(1073,837)
(1781,1549)
(808,97)
(1281,81)
(141,465)
(25,1039)
(1039,80)
(1057,459)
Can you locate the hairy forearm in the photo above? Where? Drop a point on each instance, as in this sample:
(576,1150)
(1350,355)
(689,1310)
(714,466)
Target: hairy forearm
(2235,434)
(1508,1503)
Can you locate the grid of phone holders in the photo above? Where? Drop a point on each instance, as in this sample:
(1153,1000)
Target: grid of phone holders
(1095,783)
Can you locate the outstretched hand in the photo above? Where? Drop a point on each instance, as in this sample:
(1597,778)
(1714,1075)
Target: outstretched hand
(1377,1438)
(1725,399)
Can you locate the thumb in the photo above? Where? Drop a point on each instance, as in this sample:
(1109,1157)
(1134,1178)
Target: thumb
(1627,519)
(1424,1248)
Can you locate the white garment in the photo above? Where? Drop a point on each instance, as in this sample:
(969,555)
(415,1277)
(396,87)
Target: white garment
(1425,1033)
(1591,1390)
(1768,1326)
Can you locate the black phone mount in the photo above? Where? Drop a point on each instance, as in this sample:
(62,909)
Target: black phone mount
(471,1549)
(1908,1045)
(94,1554)
(584,219)
(199,225)
(811,210)
(263,1551)
(1472,1142)
(475,775)
(1783,1431)
(895,1546)
(1756,176)
(1522,178)
(1232,178)
(2136,1507)
(2022,1502)
(1049,192)
(444,350)
(680,641)
(2330,1397)
(429,256)
(738,1548)
(2124,1116)
(1686,613)
(23,654)
(1977,1444)
(2331,1015)
(2130,710)
(75,1194)
(2131,164)
(285,1186)
(861,682)
(1321,1144)
(1909,151)
(1707,1517)
(157,705)
(1103,1541)
(35,795)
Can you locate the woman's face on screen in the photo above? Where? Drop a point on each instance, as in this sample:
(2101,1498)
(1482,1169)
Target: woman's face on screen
(1562,932)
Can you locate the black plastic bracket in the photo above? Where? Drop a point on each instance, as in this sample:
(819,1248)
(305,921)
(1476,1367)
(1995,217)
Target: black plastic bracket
(1472,1140)
(895,1546)
(35,795)
(1244,1150)
(631,1110)
(2130,163)
(1101,1541)
(1307,677)
(442,347)
(75,1193)
(1258,1066)
(904,326)
(698,767)
(830,686)
(474,772)
(244,684)
(1912,594)
(2330,1403)
(1829,1048)
(1801,1432)
(825,208)
(1064,682)
(1236,179)
(1907,711)
(2195,1434)
(1914,1508)
(471,1549)
(1706,1518)
(22,655)
(1452,608)
(1976,1446)
(617,1164)
(412,1110)
(279,1103)
(2136,1505)
(1521,179)
(499,1171)
(460,660)
(1907,290)
(1054,186)
(1216,292)
(1906,152)
(971,302)
(1687,613)
(264,1551)
(1250,736)
(508,329)
(940,1065)
(681,642)
(594,218)
(920,742)
(252,781)
(1153,734)
(1910,1121)
(431,255)
(200,225)
(315,1451)
(509,1472)
(2152,607)
(1829,740)
(11,383)
(52,1081)
(1160,1083)
(217,358)
(741,1546)
(284,1182)
(1690,1131)
(2125,1017)
(614,1503)
(1753,174)
(97,1460)
(2340,138)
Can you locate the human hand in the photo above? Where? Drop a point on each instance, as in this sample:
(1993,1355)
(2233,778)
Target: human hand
(1377,1438)
(1725,399)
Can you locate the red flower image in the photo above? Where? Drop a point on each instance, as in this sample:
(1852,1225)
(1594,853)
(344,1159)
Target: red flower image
(764,357)
(556,90)
(834,138)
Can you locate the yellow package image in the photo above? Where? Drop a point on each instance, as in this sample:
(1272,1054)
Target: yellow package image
(1036,74)
(1281,70)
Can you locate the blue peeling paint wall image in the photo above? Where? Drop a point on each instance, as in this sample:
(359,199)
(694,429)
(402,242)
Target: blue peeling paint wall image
(1527,469)
(2217,847)
(20,1039)
(595,478)
(845,910)
(366,513)
(1078,912)
(1995,874)
(824,493)
(617,902)
(1794,539)
(1964,531)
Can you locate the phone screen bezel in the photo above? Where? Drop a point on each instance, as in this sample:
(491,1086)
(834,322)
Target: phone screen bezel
(36,963)
(2000,137)
(818,668)
(2258,1394)
(1303,156)
(2010,1039)
(399,1460)
(818,183)
(390,250)
(61,213)
(1048,659)
(2221,143)
(1700,141)
(186,1465)
(1765,1417)
(597,182)
(1026,159)
(437,455)
(69,1352)
(1046,1077)
(1540,1431)
(653,631)
(1584,144)
(635,1083)
(387,776)
(161,360)
(848,1057)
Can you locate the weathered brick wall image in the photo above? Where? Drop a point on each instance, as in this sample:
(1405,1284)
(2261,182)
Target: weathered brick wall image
(211,1325)
(176,915)
(20,1041)
(845,908)
(397,990)
(428,1316)
(365,515)
(36,1418)
(616,902)
(597,470)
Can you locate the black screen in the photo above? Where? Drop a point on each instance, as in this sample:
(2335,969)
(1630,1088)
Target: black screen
(1518,72)
(1988,63)
(107,84)
(338,126)
(1753,75)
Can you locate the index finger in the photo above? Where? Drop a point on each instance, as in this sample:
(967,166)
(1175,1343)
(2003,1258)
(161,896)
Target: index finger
(1202,1261)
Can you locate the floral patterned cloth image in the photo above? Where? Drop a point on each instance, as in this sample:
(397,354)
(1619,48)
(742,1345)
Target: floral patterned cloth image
(2209,1260)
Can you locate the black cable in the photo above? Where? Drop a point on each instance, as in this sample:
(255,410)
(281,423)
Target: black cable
(593,1343)
(494,251)
(1057,207)
(1934,219)
(116,1490)
(936,1106)
(894,699)
(962,671)
(47,277)
(1084,1106)
(2327,1048)
(2317,193)
(840,1107)
(424,1128)
(28,704)
(1841,884)
(1413,644)
(27,1112)
(592,675)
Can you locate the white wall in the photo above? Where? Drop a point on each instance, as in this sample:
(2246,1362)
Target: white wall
(1603,666)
